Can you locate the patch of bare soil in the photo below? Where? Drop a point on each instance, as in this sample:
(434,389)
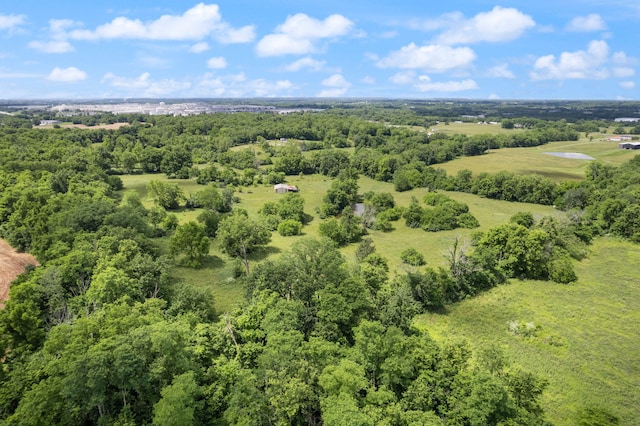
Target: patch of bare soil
(82,126)
(12,264)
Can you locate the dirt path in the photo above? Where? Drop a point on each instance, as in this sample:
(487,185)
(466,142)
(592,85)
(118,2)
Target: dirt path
(12,264)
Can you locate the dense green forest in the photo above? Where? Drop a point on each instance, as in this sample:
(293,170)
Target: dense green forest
(105,332)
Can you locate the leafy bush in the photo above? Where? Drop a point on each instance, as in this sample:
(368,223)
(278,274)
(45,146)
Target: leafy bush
(289,227)
(435,198)
(468,221)
(412,257)
(523,218)
(392,214)
(561,271)
(333,230)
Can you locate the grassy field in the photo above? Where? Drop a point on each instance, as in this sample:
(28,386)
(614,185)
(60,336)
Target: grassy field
(217,272)
(471,129)
(586,340)
(534,160)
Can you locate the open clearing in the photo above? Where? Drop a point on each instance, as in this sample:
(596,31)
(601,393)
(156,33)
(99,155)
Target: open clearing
(217,271)
(586,338)
(536,160)
(12,264)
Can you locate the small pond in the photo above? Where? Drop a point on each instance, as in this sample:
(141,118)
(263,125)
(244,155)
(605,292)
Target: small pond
(572,155)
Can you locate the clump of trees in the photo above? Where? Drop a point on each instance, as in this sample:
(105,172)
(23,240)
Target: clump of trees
(191,240)
(541,251)
(444,214)
(343,193)
(412,257)
(239,236)
(288,210)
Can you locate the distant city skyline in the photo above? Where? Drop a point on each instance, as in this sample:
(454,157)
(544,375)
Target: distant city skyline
(575,49)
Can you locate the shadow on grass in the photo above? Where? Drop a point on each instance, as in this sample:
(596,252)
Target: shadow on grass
(263,253)
(212,262)
(556,176)
(208,262)
(442,310)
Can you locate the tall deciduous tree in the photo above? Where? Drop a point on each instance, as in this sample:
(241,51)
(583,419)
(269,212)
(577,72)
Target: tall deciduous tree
(166,195)
(240,235)
(191,240)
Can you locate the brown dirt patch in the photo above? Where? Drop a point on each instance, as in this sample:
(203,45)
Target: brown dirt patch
(82,126)
(12,264)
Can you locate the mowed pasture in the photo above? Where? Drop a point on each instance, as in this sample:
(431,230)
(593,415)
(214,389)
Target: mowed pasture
(533,159)
(586,335)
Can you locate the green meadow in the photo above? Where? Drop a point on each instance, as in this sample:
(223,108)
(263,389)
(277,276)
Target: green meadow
(534,160)
(585,342)
(217,272)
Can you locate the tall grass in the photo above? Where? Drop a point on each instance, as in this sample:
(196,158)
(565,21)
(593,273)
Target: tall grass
(585,342)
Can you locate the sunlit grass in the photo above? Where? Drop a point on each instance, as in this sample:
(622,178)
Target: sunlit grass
(534,160)
(217,273)
(587,342)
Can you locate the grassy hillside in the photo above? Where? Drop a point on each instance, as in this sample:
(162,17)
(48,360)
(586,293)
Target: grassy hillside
(586,336)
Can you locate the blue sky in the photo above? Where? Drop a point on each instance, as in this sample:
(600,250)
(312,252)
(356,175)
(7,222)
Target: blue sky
(570,49)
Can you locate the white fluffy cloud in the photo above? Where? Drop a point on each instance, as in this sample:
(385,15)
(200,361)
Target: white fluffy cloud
(403,77)
(283,44)
(336,80)
(218,62)
(628,85)
(237,85)
(335,86)
(66,75)
(425,84)
(623,72)
(309,64)
(58,38)
(303,26)
(11,22)
(53,46)
(582,64)
(305,63)
(199,47)
(501,71)
(592,22)
(202,20)
(431,58)
(498,25)
(144,86)
(300,33)
(127,83)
